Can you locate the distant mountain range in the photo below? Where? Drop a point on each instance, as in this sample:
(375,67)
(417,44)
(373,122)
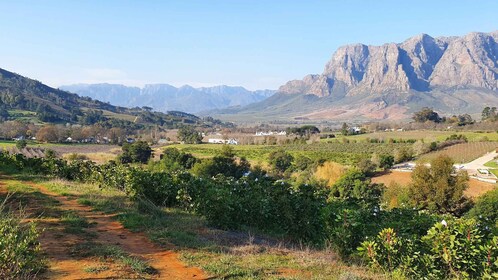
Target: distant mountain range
(164,97)
(450,74)
(50,105)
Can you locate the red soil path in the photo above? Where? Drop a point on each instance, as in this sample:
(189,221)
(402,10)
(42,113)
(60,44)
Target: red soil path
(64,265)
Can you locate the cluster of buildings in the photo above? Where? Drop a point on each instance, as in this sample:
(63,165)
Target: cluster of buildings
(230,141)
(271,133)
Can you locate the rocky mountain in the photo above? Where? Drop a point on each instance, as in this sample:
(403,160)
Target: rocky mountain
(164,97)
(450,74)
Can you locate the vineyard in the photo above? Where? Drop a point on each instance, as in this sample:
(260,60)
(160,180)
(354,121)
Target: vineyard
(462,153)
(425,135)
(344,153)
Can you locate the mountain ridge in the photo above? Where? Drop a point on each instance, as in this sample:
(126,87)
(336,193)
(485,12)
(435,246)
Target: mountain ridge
(165,97)
(452,74)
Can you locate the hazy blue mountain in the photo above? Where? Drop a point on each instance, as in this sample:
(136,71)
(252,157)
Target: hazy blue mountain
(164,97)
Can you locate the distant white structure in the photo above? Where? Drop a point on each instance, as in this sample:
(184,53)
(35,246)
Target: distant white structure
(355,129)
(230,141)
(271,133)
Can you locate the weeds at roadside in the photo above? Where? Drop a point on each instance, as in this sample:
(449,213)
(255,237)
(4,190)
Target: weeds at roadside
(96,269)
(74,224)
(92,249)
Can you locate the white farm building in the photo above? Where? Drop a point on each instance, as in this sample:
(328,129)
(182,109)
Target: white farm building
(230,141)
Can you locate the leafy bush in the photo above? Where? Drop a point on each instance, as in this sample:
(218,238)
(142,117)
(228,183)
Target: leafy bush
(139,151)
(355,187)
(453,249)
(21,144)
(280,160)
(224,163)
(396,196)
(19,247)
(486,209)
(173,159)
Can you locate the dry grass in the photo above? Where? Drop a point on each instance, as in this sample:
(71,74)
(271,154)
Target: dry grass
(330,172)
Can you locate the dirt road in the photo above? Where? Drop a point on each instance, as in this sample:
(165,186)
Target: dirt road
(64,264)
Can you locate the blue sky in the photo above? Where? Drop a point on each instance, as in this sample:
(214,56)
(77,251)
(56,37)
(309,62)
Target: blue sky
(256,44)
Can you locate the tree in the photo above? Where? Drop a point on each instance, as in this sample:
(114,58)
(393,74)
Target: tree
(345,129)
(386,161)
(403,154)
(21,144)
(437,189)
(355,187)
(224,163)
(139,151)
(189,135)
(489,114)
(367,167)
(303,130)
(174,159)
(280,160)
(48,133)
(426,114)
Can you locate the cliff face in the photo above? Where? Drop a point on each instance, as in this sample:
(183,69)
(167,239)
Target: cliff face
(420,63)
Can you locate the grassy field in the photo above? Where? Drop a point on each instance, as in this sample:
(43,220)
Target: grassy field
(462,153)
(426,135)
(25,115)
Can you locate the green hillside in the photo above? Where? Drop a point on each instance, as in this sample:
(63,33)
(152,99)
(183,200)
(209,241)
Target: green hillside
(26,99)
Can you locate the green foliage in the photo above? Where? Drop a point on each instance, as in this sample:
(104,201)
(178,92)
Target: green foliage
(224,163)
(305,130)
(456,137)
(138,151)
(436,189)
(20,251)
(367,167)
(302,163)
(486,209)
(355,187)
(386,161)
(21,144)
(403,154)
(426,114)
(280,160)
(173,159)
(453,249)
(396,196)
(189,135)
(489,114)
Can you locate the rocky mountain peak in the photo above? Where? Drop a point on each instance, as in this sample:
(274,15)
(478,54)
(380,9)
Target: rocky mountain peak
(420,63)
